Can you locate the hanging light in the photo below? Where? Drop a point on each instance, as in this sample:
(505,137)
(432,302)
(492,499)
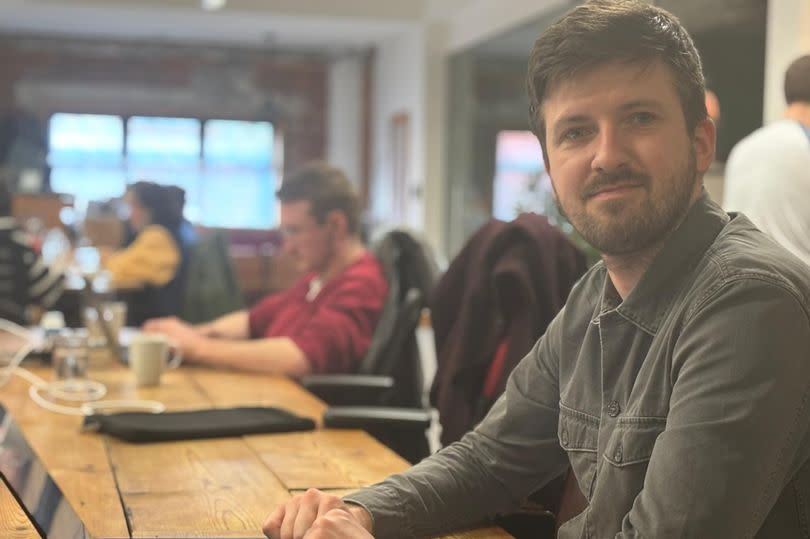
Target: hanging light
(213,5)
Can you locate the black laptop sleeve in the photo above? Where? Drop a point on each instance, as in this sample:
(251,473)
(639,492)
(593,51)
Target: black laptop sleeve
(214,423)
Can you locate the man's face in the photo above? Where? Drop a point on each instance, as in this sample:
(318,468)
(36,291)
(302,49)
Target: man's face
(623,166)
(308,241)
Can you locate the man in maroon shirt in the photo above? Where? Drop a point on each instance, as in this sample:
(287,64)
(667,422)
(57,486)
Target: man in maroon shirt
(324,322)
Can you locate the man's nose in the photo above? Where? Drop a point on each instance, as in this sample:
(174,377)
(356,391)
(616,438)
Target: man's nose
(610,152)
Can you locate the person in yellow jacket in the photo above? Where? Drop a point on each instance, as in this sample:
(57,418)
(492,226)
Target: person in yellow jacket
(149,272)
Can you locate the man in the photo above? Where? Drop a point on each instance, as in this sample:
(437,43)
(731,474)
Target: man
(324,322)
(25,280)
(676,380)
(768,172)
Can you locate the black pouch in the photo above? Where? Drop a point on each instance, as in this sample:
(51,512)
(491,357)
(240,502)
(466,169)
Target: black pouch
(193,425)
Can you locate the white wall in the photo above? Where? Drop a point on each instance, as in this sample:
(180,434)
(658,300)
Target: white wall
(399,74)
(410,76)
(788,37)
(474,21)
(344,139)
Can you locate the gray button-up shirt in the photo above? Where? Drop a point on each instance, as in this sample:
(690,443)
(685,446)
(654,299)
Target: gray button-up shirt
(682,410)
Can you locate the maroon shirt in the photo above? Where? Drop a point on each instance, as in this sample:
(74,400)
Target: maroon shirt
(334,329)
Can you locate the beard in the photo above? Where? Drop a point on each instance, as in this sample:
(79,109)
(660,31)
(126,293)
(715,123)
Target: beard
(621,227)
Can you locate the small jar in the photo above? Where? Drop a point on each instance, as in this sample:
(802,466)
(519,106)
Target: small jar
(70,356)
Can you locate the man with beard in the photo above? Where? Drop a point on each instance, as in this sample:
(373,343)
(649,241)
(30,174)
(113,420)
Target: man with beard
(675,382)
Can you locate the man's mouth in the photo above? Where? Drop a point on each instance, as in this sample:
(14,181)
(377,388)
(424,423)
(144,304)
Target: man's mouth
(612,190)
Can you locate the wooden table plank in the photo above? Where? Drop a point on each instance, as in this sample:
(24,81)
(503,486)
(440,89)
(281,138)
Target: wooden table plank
(201,488)
(326,459)
(227,388)
(14,523)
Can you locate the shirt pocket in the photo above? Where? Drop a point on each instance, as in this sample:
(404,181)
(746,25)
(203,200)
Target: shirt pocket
(578,434)
(631,442)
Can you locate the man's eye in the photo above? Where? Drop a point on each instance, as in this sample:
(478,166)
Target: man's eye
(575,133)
(642,118)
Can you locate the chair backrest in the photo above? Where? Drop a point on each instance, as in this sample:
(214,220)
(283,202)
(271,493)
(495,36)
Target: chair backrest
(411,273)
(210,288)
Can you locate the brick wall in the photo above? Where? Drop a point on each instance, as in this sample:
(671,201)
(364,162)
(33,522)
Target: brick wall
(202,82)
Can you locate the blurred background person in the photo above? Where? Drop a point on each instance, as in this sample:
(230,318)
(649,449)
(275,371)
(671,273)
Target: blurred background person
(325,321)
(149,272)
(25,280)
(768,172)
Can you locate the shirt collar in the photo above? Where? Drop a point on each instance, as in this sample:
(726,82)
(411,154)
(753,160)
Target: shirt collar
(651,299)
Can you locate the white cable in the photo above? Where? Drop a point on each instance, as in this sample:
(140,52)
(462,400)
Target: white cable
(88,392)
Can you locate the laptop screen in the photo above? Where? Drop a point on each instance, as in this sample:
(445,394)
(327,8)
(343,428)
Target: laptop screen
(33,487)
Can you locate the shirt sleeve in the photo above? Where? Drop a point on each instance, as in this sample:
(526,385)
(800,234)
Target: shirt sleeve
(262,314)
(340,331)
(738,414)
(491,470)
(45,285)
(152,259)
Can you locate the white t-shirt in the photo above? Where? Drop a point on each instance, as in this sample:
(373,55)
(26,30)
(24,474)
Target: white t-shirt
(768,179)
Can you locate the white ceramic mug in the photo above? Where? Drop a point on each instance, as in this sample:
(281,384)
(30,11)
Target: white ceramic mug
(149,357)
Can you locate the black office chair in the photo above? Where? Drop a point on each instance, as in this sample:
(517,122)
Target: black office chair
(390,374)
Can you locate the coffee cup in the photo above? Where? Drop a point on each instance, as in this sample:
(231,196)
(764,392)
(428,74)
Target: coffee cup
(149,357)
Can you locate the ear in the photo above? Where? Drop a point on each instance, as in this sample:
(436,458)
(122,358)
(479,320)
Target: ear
(704,140)
(336,222)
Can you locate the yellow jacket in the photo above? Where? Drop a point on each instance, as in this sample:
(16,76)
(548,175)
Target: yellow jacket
(153,258)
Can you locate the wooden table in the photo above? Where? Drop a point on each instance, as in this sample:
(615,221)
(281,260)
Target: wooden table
(14,523)
(205,488)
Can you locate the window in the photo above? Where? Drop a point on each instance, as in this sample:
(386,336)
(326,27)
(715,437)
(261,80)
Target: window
(226,167)
(167,150)
(521,182)
(238,167)
(87,156)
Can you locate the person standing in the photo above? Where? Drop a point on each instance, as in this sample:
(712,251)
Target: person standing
(768,172)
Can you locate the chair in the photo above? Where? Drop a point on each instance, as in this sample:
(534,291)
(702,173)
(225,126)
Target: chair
(390,374)
(210,284)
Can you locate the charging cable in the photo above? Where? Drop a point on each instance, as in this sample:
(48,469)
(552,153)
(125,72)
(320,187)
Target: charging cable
(87,392)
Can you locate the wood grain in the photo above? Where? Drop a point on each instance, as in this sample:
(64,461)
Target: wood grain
(14,523)
(326,459)
(204,488)
(226,388)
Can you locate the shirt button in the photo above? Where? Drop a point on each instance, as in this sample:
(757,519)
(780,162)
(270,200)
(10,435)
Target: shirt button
(564,437)
(613,409)
(617,455)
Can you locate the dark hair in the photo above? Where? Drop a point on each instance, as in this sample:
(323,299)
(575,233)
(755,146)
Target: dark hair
(160,202)
(797,80)
(178,196)
(326,188)
(602,31)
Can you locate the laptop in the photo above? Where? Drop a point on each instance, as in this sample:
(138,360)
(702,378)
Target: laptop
(93,300)
(35,490)
(117,344)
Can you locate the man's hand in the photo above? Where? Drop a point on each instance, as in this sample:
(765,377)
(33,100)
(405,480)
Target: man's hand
(317,515)
(337,524)
(180,333)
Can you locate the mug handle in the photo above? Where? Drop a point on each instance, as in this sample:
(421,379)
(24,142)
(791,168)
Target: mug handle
(177,356)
